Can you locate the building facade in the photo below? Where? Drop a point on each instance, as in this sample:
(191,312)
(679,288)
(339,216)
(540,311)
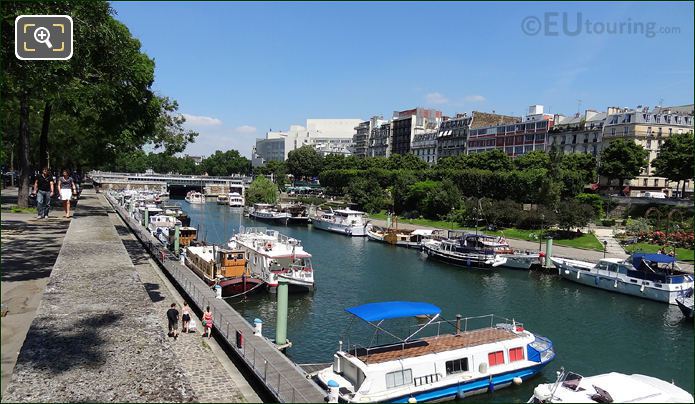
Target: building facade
(513,135)
(452,136)
(362,138)
(424,146)
(406,124)
(581,133)
(380,140)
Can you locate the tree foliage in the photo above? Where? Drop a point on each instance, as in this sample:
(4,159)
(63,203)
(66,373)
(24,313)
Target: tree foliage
(675,160)
(226,163)
(261,190)
(304,162)
(623,160)
(367,194)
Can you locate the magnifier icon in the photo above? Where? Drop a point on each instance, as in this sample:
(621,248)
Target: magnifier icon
(43,35)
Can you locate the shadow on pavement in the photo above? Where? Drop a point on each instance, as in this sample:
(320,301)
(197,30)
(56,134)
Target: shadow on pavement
(30,248)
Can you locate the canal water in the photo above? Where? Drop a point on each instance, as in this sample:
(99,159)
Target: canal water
(593,331)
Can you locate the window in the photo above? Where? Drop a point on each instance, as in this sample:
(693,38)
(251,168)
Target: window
(626,129)
(399,378)
(656,182)
(457,366)
(613,131)
(649,144)
(495,358)
(516,354)
(644,182)
(660,131)
(670,131)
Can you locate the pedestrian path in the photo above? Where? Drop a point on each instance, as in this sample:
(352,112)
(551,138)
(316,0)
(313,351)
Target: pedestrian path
(605,236)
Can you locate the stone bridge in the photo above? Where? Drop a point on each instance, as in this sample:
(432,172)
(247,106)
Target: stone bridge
(209,185)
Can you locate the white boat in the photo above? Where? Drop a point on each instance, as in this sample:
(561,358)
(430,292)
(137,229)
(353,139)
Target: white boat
(223,199)
(267,212)
(273,256)
(139,212)
(685,303)
(399,237)
(650,276)
(519,260)
(344,221)
(235,200)
(161,224)
(441,367)
(195,197)
(477,250)
(609,388)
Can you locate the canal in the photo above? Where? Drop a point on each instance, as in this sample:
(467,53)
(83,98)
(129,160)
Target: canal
(593,331)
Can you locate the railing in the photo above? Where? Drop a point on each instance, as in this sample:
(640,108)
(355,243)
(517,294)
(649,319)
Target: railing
(202,296)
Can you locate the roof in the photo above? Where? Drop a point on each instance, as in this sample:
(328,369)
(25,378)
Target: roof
(485,119)
(387,310)
(658,258)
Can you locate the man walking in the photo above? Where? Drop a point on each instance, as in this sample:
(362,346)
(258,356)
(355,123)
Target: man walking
(173,317)
(43,188)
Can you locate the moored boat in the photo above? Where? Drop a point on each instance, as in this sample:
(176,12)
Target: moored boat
(273,256)
(610,387)
(187,237)
(224,267)
(438,367)
(344,221)
(649,276)
(468,250)
(398,237)
(178,213)
(685,303)
(268,212)
(235,200)
(296,213)
(195,197)
(222,199)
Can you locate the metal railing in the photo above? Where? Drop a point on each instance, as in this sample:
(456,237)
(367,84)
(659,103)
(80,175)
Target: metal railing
(202,296)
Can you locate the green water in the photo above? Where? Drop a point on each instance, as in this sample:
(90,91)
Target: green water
(593,331)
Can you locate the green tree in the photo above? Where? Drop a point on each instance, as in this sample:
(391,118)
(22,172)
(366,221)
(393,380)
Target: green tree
(406,162)
(367,194)
(493,160)
(304,162)
(226,163)
(623,159)
(534,159)
(675,158)
(571,213)
(261,190)
(582,163)
(593,200)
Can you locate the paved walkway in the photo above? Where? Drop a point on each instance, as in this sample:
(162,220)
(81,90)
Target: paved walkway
(605,234)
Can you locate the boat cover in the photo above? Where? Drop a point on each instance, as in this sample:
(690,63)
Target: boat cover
(387,310)
(658,258)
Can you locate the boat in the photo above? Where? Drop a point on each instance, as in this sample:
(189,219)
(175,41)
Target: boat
(273,256)
(139,212)
(195,197)
(524,260)
(296,213)
(178,213)
(235,200)
(160,225)
(650,276)
(685,303)
(223,267)
(344,221)
(469,250)
(610,387)
(437,367)
(398,237)
(223,199)
(267,212)
(187,237)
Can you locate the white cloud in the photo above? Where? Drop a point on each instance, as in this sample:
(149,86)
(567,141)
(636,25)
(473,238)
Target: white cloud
(199,120)
(474,98)
(436,98)
(245,129)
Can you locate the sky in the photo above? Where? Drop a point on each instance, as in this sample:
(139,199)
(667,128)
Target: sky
(238,69)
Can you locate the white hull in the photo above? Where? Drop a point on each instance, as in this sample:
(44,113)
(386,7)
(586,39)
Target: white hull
(518,261)
(348,230)
(195,201)
(582,272)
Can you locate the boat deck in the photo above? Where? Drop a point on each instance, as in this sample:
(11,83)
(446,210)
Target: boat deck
(430,345)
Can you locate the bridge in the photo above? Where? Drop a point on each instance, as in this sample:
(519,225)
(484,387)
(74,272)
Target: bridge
(209,185)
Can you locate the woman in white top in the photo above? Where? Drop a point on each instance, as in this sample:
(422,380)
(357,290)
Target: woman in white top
(67,188)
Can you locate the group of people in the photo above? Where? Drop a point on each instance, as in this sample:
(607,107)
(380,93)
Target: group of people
(173,318)
(670,252)
(45,186)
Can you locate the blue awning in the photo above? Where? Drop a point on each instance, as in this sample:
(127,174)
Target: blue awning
(658,258)
(387,310)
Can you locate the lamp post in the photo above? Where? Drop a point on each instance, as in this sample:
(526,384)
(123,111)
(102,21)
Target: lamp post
(605,247)
(540,236)
(451,218)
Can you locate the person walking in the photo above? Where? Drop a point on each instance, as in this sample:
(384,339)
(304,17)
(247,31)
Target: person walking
(185,317)
(67,188)
(173,317)
(43,189)
(207,322)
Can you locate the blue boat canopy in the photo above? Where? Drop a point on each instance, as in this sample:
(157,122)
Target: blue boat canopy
(658,258)
(386,310)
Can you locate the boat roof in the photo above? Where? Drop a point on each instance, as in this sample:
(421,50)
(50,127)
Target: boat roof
(387,310)
(423,232)
(348,212)
(441,343)
(658,258)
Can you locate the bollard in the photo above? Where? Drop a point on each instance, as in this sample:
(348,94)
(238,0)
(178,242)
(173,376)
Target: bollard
(258,327)
(146,217)
(281,328)
(458,324)
(548,251)
(176,239)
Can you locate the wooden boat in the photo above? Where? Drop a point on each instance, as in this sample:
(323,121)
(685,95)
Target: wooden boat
(224,267)
(399,237)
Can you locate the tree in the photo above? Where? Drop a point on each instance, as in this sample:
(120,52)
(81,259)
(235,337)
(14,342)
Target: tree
(304,162)
(534,159)
(226,163)
(623,159)
(261,190)
(574,214)
(675,158)
(493,160)
(367,194)
(406,162)
(582,163)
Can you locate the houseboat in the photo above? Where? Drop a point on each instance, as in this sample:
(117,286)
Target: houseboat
(469,250)
(267,212)
(160,225)
(235,200)
(178,213)
(403,238)
(273,256)
(223,199)
(344,221)
(223,267)
(187,237)
(296,213)
(608,388)
(195,197)
(437,367)
(650,276)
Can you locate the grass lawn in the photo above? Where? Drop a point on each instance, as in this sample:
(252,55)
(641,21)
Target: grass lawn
(588,241)
(682,254)
(17,209)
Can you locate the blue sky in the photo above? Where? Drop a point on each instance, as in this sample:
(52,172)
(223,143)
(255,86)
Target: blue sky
(240,69)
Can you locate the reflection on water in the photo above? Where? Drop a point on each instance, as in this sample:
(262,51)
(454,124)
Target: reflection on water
(593,331)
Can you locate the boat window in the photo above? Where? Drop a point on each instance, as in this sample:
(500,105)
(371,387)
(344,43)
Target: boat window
(603,265)
(495,358)
(613,267)
(399,378)
(516,354)
(457,366)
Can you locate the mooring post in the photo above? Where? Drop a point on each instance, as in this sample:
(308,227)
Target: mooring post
(176,239)
(548,251)
(458,324)
(146,217)
(281,328)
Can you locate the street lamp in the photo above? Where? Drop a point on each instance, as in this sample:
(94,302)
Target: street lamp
(605,247)
(540,236)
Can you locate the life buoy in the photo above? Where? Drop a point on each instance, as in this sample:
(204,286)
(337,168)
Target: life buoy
(268,246)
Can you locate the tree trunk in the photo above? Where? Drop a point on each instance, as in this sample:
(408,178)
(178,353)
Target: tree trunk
(683,193)
(24,164)
(43,139)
